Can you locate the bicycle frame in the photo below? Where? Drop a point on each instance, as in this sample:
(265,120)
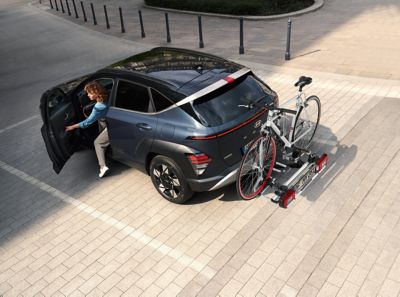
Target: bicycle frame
(274,114)
(285,123)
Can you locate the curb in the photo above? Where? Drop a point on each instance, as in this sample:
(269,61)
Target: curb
(317,5)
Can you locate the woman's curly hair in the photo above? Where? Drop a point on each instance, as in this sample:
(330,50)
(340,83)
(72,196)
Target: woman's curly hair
(97,90)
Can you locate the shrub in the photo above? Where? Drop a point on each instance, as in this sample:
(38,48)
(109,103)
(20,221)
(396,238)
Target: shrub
(236,7)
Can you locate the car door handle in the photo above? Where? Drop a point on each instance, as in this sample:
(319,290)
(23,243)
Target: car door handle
(144,126)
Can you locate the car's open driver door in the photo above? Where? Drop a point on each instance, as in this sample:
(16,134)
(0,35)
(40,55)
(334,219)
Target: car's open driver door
(58,112)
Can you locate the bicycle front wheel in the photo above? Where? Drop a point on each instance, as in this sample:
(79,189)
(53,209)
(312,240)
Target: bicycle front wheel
(306,123)
(256,167)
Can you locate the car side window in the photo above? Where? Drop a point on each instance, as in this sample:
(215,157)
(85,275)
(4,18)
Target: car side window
(160,101)
(132,97)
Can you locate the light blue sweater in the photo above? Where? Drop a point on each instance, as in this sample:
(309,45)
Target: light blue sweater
(99,111)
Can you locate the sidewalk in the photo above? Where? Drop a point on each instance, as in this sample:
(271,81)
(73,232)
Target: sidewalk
(356,38)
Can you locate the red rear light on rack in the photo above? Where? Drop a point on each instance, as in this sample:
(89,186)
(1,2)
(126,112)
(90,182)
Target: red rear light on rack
(322,162)
(199,162)
(288,197)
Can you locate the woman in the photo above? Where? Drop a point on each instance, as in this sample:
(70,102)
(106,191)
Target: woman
(96,92)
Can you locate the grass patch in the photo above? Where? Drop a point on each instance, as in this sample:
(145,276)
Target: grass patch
(236,7)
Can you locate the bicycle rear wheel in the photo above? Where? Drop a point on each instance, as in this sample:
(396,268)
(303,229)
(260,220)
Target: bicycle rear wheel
(306,123)
(256,167)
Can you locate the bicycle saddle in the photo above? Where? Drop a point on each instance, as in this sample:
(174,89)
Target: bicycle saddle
(303,81)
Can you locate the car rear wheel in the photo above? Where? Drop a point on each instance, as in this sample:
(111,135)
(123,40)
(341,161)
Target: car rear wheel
(169,180)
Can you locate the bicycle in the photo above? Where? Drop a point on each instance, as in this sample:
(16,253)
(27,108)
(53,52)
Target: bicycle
(260,158)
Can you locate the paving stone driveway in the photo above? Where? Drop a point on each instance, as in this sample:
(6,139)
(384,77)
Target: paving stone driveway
(118,237)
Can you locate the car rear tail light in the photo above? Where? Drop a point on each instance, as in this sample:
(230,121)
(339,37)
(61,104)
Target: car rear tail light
(322,162)
(288,197)
(199,162)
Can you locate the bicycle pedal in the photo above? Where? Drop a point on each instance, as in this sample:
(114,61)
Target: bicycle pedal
(299,151)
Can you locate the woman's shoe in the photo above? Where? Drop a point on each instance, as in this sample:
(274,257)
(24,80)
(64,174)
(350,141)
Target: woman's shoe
(103,171)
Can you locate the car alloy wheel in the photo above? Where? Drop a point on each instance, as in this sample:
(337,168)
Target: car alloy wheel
(168,179)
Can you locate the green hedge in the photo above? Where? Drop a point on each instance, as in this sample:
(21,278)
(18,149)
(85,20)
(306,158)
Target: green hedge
(237,7)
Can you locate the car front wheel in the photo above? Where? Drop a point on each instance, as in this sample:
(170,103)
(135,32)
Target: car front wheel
(169,181)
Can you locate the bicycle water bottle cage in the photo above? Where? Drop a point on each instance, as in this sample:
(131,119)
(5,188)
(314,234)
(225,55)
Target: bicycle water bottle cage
(302,82)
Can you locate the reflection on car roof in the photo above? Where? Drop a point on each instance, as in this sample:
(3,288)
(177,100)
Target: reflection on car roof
(183,69)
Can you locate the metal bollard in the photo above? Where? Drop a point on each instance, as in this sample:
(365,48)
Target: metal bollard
(241,46)
(62,7)
(122,20)
(55,1)
(83,11)
(201,42)
(94,16)
(51,4)
(167,25)
(76,12)
(69,11)
(105,13)
(289,30)
(141,24)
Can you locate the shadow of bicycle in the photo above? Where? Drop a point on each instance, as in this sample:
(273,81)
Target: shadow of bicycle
(340,156)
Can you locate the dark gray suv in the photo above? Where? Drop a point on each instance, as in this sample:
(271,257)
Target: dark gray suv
(183,117)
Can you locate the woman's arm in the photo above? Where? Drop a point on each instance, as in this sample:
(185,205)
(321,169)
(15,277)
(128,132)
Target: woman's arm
(72,127)
(97,112)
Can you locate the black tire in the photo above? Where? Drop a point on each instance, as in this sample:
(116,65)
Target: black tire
(306,117)
(169,180)
(251,178)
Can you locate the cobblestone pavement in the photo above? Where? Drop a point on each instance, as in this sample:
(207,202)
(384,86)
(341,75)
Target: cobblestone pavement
(118,237)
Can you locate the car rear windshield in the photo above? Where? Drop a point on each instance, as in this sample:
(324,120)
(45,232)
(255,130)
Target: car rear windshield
(225,105)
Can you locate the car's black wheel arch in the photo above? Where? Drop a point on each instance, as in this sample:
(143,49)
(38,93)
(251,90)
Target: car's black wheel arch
(175,151)
(150,156)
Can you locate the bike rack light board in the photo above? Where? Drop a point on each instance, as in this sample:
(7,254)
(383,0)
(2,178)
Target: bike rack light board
(285,192)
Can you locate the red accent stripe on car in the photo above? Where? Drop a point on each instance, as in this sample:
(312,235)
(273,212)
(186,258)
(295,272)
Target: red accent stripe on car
(232,129)
(229,79)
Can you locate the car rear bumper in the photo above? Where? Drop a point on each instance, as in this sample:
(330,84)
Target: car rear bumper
(209,184)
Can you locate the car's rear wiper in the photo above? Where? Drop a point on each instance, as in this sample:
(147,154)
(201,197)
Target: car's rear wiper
(253,103)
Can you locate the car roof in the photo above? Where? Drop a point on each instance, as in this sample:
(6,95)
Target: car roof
(180,70)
